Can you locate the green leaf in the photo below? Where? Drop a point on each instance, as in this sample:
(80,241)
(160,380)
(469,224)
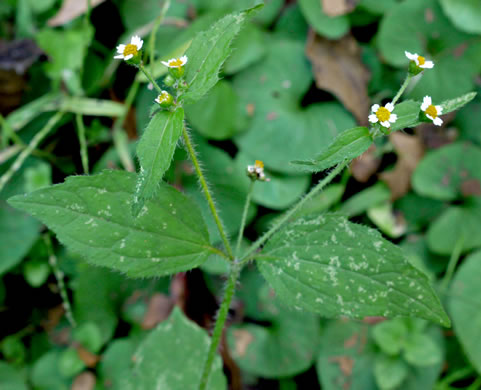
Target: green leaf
(347,145)
(45,374)
(449,173)
(89,336)
(421,350)
(69,363)
(443,238)
(365,199)
(116,363)
(89,106)
(465,14)
(11,378)
(285,348)
(88,214)
(330,27)
(208,52)
(390,372)
(172,357)
(330,266)
(280,129)
(155,151)
(464,303)
(409,110)
(218,116)
(346,342)
(390,336)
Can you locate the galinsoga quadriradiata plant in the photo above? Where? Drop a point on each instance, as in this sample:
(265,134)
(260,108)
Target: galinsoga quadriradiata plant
(143,227)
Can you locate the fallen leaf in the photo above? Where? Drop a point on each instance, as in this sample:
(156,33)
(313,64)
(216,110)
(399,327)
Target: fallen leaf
(158,309)
(434,137)
(410,150)
(85,381)
(69,10)
(242,340)
(90,359)
(18,55)
(338,7)
(338,68)
(366,165)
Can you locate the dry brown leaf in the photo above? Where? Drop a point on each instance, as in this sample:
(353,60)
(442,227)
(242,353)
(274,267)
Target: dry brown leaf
(338,68)
(366,165)
(90,359)
(338,7)
(410,151)
(158,309)
(346,364)
(69,10)
(85,381)
(242,340)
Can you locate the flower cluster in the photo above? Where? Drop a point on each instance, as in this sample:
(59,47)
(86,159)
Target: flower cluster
(384,114)
(256,171)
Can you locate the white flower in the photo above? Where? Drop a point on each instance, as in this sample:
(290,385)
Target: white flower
(432,111)
(383,115)
(256,171)
(164,98)
(126,52)
(176,62)
(420,61)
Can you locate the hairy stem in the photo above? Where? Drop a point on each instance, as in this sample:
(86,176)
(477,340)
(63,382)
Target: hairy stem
(219,323)
(205,188)
(403,88)
(52,259)
(244,217)
(29,149)
(151,79)
(318,188)
(83,143)
(453,261)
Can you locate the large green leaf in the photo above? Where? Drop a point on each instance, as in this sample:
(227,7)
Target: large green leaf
(155,151)
(336,268)
(88,214)
(449,173)
(330,27)
(347,145)
(208,52)
(465,14)
(172,357)
(12,378)
(285,348)
(465,307)
(280,129)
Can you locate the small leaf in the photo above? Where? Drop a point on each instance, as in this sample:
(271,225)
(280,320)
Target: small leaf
(155,151)
(89,106)
(465,307)
(172,356)
(330,27)
(208,52)
(88,214)
(390,336)
(390,372)
(465,14)
(421,350)
(457,103)
(347,145)
(364,200)
(330,266)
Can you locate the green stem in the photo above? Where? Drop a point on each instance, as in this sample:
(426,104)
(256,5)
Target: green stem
(153,33)
(403,88)
(52,259)
(83,143)
(453,261)
(151,79)
(219,323)
(208,196)
(476,385)
(318,188)
(244,217)
(29,149)
(454,377)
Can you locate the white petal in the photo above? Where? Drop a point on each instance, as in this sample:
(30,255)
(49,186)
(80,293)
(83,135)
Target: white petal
(120,49)
(135,40)
(119,57)
(374,108)
(430,117)
(184,60)
(373,118)
(427,65)
(424,106)
(386,124)
(439,110)
(393,118)
(157,100)
(438,121)
(389,107)
(411,56)
(139,45)
(427,100)
(165,63)
(126,58)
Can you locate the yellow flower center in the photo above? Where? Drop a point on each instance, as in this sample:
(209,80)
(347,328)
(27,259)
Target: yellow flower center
(130,49)
(383,114)
(431,111)
(421,60)
(259,164)
(175,63)
(163,97)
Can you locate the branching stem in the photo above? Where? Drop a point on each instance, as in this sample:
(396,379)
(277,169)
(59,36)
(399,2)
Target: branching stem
(244,217)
